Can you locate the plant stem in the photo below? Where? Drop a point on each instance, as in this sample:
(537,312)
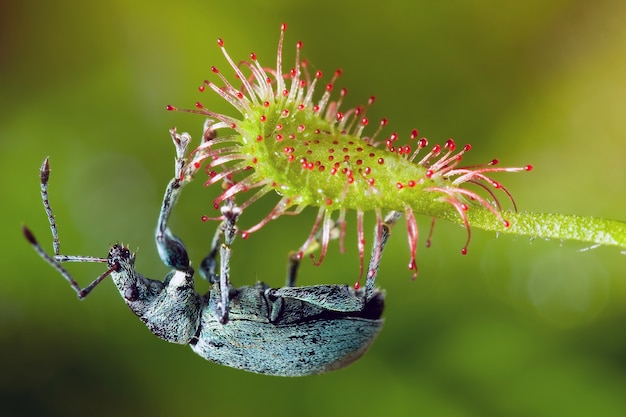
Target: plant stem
(592,230)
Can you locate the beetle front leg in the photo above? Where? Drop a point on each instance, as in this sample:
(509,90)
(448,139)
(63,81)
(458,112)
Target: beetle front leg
(171,249)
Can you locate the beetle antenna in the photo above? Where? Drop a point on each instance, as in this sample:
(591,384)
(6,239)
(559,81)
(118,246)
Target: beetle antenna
(44,175)
(55,261)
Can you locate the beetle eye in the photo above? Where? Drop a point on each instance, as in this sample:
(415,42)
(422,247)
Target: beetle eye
(131,293)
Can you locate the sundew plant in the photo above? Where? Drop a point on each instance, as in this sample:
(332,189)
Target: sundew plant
(291,140)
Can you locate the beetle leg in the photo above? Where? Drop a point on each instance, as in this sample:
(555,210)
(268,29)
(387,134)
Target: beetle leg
(209,263)
(230,212)
(381,235)
(171,249)
(56,260)
(292,268)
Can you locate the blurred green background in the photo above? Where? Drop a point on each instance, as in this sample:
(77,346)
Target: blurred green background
(515,328)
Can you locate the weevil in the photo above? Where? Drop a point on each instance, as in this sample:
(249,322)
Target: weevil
(288,331)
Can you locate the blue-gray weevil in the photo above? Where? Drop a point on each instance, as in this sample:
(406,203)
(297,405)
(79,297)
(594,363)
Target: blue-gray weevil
(289,331)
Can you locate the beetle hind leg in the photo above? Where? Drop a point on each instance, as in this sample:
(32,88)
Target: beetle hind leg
(382,232)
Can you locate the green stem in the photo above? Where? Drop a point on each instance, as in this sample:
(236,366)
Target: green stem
(591,230)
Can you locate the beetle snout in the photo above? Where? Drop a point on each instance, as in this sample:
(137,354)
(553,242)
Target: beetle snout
(119,256)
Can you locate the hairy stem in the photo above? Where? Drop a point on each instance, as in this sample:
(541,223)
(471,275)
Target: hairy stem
(593,230)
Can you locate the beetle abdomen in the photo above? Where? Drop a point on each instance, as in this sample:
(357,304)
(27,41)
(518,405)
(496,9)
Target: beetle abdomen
(288,336)
(291,350)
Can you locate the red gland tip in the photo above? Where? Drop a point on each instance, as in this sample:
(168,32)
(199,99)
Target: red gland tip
(169,107)
(412,265)
(464,251)
(220,42)
(245,235)
(357,285)
(283,27)
(204,218)
(528,168)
